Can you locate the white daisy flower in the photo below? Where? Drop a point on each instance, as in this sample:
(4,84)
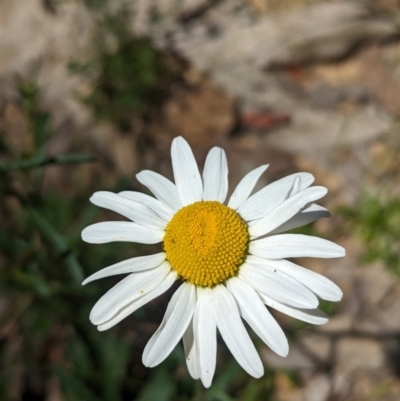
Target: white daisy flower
(230,258)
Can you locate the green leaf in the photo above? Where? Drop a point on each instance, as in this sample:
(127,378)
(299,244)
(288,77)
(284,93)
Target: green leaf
(219,395)
(74,388)
(59,243)
(113,356)
(31,281)
(78,354)
(160,387)
(42,161)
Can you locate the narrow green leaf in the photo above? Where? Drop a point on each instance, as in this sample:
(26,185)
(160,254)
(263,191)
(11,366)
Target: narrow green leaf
(217,394)
(60,245)
(73,387)
(42,161)
(160,387)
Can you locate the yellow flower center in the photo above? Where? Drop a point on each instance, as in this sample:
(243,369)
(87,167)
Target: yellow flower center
(206,242)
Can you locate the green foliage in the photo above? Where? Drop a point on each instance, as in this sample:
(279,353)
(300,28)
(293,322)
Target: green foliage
(377,223)
(132,79)
(37,162)
(52,5)
(328,307)
(95,4)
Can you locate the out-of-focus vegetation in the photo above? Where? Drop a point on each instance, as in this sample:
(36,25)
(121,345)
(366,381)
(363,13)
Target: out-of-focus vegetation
(133,79)
(91,4)
(377,223)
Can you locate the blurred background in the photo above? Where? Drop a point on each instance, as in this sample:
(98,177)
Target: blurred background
(93,91)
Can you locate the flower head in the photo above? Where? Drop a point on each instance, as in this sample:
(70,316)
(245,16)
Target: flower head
(230,258)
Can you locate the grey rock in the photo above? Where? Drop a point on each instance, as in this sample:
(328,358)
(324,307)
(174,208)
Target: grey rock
(360,353)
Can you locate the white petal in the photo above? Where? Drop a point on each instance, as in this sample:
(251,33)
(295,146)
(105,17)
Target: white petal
(307,215)
(257,316)
(263,201)
(295,246)
(129,266)
(162,188)
(126,291)
(111,231)
(215,176)
(186,172)
(172,276)
(296,188)
(191,354)
(245,186)
(176,320)
(133,210)
(205,334)
(313,316)
(285,211)
(320,285)
(234,333)
(147,200)
(278,285)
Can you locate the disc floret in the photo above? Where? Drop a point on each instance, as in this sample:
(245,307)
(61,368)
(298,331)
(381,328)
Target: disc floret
(206,243)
